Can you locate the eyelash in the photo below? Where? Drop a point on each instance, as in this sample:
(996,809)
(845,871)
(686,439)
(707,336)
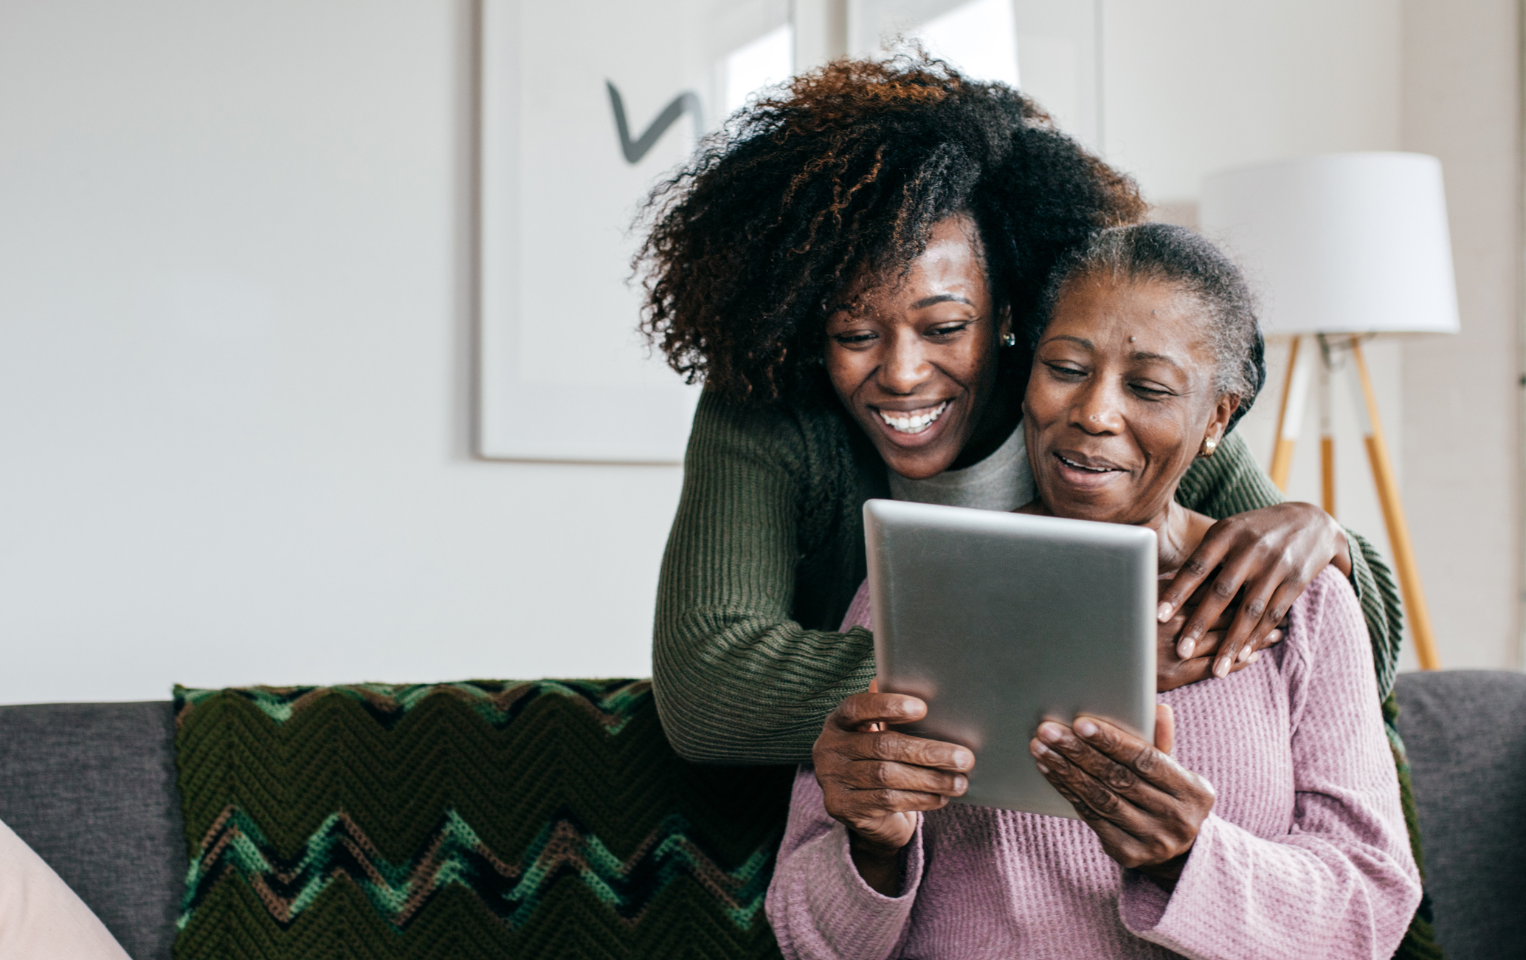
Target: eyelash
(1145,393)
(853,339)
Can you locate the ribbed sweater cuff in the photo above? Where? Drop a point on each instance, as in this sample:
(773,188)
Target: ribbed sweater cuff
(1208,914)
(1150,912)
(851,918)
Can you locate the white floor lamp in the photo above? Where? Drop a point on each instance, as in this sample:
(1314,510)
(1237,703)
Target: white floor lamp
(1342,247)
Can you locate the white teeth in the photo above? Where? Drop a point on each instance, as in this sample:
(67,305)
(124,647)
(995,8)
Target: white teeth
(1072,464)
(916,424)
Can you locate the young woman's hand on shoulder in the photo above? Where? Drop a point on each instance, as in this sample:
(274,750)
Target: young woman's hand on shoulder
(1251,567)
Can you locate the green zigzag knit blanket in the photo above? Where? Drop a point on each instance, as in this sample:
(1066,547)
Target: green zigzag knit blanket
(465,820)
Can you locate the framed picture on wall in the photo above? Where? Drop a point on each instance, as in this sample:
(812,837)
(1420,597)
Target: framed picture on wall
(586,105)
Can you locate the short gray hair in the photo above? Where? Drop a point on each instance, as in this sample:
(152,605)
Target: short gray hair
(1185,259)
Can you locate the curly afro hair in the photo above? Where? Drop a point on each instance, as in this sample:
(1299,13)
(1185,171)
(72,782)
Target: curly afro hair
(844,170)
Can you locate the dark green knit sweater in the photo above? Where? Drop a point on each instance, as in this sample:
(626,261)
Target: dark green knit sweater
(767,551)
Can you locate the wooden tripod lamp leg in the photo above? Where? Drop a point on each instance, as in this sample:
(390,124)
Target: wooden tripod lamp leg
(1289,415)
(1326,438)
(1393,517)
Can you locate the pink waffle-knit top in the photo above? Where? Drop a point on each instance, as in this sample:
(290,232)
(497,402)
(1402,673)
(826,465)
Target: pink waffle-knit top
(1305,854)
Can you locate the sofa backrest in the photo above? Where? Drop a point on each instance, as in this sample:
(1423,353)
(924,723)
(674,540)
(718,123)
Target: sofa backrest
(91,788)
(1465,731)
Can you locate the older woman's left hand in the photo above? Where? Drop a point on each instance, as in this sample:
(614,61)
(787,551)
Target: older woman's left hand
(1144,806)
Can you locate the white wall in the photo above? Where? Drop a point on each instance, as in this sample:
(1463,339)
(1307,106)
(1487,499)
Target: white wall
(234,369)
(1193,86)
(235,339)
(1462,428)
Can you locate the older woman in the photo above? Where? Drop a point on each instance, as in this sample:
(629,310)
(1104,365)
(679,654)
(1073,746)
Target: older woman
(1275,828)
(899,192)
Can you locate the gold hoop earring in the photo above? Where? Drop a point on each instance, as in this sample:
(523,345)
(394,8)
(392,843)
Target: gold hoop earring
(1210,444)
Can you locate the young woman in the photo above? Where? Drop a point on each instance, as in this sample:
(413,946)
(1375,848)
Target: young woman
(1275,829)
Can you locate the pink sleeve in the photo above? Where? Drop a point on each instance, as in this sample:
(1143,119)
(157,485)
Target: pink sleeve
(818,905)
(1342,882)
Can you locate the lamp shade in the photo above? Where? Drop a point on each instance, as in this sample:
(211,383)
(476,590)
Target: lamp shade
(1342,243)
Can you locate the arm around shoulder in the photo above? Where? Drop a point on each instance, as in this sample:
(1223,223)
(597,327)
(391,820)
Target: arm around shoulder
(735,677)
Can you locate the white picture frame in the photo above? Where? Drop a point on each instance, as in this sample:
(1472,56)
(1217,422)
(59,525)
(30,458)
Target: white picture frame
(563,373)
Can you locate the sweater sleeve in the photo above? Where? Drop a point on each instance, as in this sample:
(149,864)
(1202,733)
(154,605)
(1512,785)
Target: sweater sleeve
(736,679)
(1342,882)
(1230,482)
(818,905)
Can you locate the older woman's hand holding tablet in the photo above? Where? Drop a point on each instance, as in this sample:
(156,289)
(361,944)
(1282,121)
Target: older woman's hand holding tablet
(1271,827)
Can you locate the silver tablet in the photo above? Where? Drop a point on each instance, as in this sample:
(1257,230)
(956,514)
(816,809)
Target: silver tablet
(999,620)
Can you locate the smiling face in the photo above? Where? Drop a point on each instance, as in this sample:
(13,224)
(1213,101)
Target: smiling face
(1120,399)
(915,361)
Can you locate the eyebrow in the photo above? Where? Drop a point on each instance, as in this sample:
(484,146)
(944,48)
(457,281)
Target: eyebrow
(1136,355)
(1082,341)
(1143,355)
(940,298)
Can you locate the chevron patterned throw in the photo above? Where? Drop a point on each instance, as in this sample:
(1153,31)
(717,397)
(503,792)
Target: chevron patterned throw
(465,820)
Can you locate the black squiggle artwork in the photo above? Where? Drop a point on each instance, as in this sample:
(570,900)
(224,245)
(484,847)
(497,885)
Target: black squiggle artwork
(634,150)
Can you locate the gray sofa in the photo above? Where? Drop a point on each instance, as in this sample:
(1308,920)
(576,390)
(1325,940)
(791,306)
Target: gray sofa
(92,788)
